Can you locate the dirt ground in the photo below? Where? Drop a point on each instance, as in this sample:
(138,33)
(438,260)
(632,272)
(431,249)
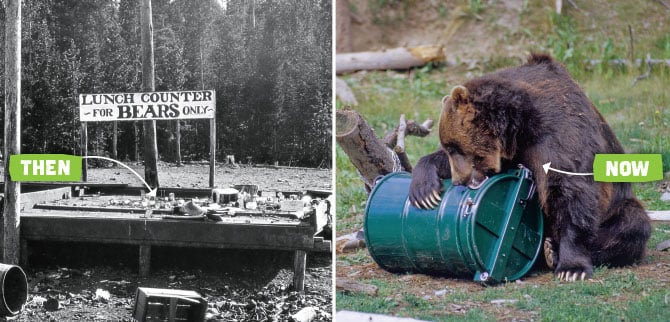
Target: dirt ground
(401,24)
(655,267)
(538,275)
(94,282)
(197,176)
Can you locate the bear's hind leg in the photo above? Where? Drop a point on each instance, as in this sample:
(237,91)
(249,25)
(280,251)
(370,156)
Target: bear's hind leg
(621,240)
(571,204)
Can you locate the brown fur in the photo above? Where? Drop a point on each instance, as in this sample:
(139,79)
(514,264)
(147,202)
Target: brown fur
(531,115)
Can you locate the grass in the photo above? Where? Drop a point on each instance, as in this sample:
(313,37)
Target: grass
(625,294)
(614,296)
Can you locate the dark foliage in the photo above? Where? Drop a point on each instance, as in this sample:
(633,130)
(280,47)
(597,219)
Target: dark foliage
(269,62)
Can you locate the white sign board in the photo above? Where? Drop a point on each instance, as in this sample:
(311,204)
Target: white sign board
(147,106)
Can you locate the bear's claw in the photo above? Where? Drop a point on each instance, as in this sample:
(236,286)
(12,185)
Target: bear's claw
(574,268)
(432,200)
(437,197)
(569,276)
(425,204)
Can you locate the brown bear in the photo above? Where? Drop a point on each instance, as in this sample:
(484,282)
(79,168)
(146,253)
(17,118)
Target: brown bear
(531,115)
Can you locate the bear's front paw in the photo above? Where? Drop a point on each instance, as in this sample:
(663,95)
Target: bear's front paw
(575,271)
(424,191)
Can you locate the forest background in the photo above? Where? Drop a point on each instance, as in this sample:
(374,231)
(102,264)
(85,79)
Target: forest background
(269,62)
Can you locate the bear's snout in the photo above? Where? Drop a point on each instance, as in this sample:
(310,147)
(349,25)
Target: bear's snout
(474,180)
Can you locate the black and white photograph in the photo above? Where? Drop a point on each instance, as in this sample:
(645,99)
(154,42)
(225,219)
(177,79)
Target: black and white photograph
(167,160)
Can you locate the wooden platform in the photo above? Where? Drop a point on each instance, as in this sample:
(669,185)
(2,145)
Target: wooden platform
(240,231)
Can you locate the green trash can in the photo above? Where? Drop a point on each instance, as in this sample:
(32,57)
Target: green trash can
(493,233)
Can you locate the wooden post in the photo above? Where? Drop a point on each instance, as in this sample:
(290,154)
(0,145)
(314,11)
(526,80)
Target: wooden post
(11,214)
(84,152)
(148,85)
(178,138)
(136,142)
(115,140)
(212,151)
(145,260)
(299,266)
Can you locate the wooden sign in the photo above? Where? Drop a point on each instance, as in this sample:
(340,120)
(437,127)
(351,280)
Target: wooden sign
(147,106)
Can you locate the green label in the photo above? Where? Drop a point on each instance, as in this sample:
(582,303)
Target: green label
(627,167)
(45,167)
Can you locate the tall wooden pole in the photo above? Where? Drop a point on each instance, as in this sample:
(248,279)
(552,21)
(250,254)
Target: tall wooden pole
(150,145)
(115,141)
(84,151)
(212,127)
(212,151)
(11,215)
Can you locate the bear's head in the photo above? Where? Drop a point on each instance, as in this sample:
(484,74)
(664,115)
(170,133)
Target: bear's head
(473,147)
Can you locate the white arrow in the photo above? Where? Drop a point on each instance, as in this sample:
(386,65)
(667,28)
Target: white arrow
(547,167)
(152,192)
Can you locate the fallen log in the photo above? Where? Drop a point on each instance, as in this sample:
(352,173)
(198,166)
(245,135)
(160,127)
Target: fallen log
(344,93)
(366,152)
(371,156)
(396,58)
(351,286)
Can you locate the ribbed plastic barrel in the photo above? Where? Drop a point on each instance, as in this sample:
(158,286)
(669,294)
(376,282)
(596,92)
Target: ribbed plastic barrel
(13,289)
(492,234)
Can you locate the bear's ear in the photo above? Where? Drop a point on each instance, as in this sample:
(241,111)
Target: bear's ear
(460,94)
(460,97)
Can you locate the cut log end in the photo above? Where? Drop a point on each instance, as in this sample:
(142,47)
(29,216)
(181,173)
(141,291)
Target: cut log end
(346,122)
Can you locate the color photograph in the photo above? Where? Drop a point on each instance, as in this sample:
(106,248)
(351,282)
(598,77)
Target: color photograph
(502,160)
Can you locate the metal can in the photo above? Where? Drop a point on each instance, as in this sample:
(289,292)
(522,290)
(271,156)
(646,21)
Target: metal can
(493,233)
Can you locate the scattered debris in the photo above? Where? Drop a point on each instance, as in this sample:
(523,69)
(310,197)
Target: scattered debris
(503,301)
(52,304)
(307,314)
(351,242)
(348,316)
(102,295)
(665,196)
(38,300)
(665,245)
(191,209)
(108,294)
